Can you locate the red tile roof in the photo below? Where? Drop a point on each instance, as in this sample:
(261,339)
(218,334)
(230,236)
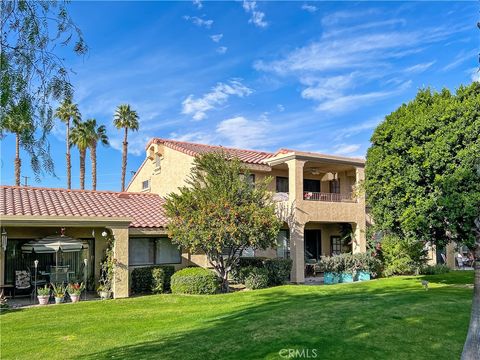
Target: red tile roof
(193,149)
(145,209)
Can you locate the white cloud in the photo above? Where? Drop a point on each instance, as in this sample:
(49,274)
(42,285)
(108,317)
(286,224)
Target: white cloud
(216,97)
(346,16)
(460,59)
(216,38)
(419,67)
(243,133)
(348,132)
(346,149)
(280,108)
(197,3)
(222,50)
(475,74)
(309,8)
(256,17)
(199,21)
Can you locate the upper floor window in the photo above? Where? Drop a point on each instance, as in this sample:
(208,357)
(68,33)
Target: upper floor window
(335,186)
(158,161)
(282,184)
(146,185)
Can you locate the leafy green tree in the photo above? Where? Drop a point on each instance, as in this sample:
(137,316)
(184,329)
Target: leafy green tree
(81,137)
(220,213)
(97,134)
(19,121)
(423,177)
(68,112)
(127,119)
(32,34)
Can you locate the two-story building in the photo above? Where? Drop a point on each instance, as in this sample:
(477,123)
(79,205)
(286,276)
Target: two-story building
(316,195)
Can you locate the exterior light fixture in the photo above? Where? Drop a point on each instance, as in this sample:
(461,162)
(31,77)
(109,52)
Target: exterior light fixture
(104,233)
(4,239)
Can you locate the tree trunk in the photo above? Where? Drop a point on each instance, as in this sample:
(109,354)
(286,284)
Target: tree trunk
(69,165)
(124,158)
(82,169)
(93,158)
(471,348)
(18,162)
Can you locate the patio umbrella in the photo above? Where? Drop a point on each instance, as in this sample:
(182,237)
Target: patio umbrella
(53,244)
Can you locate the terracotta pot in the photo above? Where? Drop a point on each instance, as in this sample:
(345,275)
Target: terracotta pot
(58,300)
(43,299)
(75,298)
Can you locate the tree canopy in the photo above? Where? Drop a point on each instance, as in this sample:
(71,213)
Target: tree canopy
(422,170)
(221,213)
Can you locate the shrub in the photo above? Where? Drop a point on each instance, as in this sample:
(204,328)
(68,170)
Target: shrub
(195,281)
(242,273)
(152,279)
(257,279)
(434,269)
(350,263)
(402,256)
(245,262)
(278,271)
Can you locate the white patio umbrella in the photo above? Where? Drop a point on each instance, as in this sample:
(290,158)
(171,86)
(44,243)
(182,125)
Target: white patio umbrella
(53,244)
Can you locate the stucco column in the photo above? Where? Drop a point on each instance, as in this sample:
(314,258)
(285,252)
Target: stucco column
(295,180)
(359,179)
(450,250)
(121,284)
(359,244)
(297,253)
(100,246)
(2,266)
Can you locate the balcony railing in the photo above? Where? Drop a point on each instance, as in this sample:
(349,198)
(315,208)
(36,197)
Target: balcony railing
(330,197)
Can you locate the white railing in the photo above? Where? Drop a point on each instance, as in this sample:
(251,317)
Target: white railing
(330,197)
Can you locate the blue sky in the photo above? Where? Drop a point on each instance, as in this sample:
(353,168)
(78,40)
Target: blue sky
(314,76)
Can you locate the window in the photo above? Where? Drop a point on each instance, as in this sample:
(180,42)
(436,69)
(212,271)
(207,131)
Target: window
(248,252)
(335,186)
(282,184)
(251,178)
(283,244)
(311,185)
(336,245)
(151,251)
(145,184)
(158,161)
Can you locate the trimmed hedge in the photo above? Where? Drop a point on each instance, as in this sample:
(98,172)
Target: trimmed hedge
(257,279)
(152,279)
(195,280)
(434,269)
(277,270)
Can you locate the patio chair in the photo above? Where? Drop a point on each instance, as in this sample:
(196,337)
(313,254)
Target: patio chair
(22,281)
(460,263)
(444,258)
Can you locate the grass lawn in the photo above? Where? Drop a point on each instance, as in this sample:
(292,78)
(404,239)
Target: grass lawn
(381,319)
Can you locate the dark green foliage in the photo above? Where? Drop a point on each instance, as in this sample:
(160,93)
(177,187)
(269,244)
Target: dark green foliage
(195,280)
(220,213)
(422,170)
(257,278)
(240,269)
(278,271)
(151,279)
(434,269)
(402,256)
(350,263)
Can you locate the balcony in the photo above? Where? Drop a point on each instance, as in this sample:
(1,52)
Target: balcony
(328,197)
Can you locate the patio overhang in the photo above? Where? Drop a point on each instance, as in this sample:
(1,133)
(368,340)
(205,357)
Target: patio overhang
(283,157)
(64,221)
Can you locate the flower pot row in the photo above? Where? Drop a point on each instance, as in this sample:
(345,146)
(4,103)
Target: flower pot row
(59,291)
(344,277)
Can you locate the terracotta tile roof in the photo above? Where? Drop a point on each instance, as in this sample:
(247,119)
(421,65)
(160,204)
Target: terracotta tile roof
(193,149)
(145,209)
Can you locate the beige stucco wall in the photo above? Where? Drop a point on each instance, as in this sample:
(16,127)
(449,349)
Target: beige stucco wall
(174,170)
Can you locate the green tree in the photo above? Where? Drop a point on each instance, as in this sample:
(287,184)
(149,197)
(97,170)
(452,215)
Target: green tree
(220,213)
(19,121)
(423,177)
(97,134)
(68,112)
(32,34)
(127,119)
(80,137)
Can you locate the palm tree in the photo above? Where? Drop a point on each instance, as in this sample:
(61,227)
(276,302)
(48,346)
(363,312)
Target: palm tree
(125,118)
(66,112)
(97,135)
(19,121)
(80,137)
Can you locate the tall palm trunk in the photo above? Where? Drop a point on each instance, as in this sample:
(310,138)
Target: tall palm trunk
(93,158)
(124,158)
(18,162)
(82,168)
(471,348)
(69,164)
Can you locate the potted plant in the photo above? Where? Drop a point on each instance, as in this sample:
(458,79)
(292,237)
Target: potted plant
(43,295)
(75,290)
(104,291)
(347,262)
(330,265)
(58,292)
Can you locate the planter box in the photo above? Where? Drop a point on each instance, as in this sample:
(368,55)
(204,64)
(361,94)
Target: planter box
(362,276)
(331,278)
(346,278)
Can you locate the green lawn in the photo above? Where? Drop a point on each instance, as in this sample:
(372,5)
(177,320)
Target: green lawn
(381,319)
